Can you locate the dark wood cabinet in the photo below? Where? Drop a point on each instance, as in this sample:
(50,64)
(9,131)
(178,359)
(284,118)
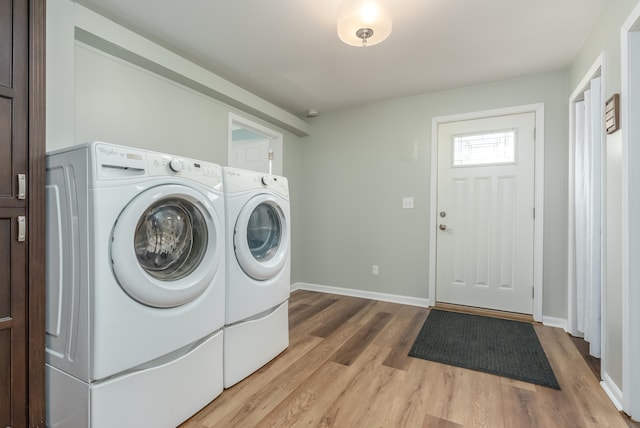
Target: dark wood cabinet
(22,258)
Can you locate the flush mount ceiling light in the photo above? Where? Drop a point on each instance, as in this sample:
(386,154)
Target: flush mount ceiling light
(363,22)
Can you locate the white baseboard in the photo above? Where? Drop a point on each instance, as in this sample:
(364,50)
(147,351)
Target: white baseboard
(384,297)
(395,298)
(613,392)
(555,322)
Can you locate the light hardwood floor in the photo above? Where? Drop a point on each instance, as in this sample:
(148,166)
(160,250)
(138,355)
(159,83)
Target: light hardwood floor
(347,366)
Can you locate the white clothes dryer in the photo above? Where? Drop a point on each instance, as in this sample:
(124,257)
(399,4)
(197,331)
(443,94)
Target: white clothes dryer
(258,271)
(135,286)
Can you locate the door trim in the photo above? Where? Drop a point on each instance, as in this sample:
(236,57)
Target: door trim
(538,109)
(630,112)
(36,212)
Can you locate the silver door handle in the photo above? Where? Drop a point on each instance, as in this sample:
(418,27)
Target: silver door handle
(22,186)
(22,228)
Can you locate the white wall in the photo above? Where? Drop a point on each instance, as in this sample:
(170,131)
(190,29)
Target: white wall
(359,163)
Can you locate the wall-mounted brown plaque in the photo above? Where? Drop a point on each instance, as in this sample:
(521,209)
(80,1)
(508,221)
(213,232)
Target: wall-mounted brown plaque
(612,114)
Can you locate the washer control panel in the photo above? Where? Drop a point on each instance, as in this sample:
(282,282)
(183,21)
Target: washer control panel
(206,173)
(118,162)
(176,165)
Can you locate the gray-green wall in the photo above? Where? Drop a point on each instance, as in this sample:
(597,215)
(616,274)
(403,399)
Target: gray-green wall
(358,165)
(120,103)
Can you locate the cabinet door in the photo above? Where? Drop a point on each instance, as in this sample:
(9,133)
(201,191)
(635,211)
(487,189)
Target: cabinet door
(14,57)
(13,362)
(14,100)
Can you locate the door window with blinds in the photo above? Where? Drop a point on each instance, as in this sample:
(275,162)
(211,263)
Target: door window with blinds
(490,148)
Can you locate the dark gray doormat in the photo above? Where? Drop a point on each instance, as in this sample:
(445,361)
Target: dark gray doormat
(501,347)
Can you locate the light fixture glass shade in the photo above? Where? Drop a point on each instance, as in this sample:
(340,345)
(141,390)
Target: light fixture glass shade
(363,22)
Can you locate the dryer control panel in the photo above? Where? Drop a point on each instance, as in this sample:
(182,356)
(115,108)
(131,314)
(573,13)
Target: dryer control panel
(240,180)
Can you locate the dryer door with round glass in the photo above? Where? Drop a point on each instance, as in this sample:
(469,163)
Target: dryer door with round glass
(261,237)
(166,246)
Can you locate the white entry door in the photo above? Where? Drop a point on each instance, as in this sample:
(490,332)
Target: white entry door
(485,236)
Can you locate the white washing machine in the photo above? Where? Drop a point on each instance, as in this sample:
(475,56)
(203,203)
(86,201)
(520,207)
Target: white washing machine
(135,287)
(258,271)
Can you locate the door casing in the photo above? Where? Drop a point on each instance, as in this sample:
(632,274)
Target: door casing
(630,114)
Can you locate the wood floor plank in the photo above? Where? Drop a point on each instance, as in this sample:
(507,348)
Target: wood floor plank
(305,311)
(342,312)
(304,401)
(192,423)
(474,400)
(368,397)
(433,422)
(517,406)
(518,384)
(382,387)
(427,391)
(376,306)
(405,328)
(350,351)
(332,394)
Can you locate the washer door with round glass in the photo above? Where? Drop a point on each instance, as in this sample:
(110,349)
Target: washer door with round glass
(261,238)
(166,246)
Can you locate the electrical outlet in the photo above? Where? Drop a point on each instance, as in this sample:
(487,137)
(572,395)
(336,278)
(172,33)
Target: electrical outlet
(375,270)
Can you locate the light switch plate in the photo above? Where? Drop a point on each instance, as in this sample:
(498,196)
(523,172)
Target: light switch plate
(407,202)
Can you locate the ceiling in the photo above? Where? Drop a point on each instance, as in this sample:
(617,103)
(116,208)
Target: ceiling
(288,51)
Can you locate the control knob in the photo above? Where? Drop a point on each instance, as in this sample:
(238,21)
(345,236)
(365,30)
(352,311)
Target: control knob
(265,180)
(176,165)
